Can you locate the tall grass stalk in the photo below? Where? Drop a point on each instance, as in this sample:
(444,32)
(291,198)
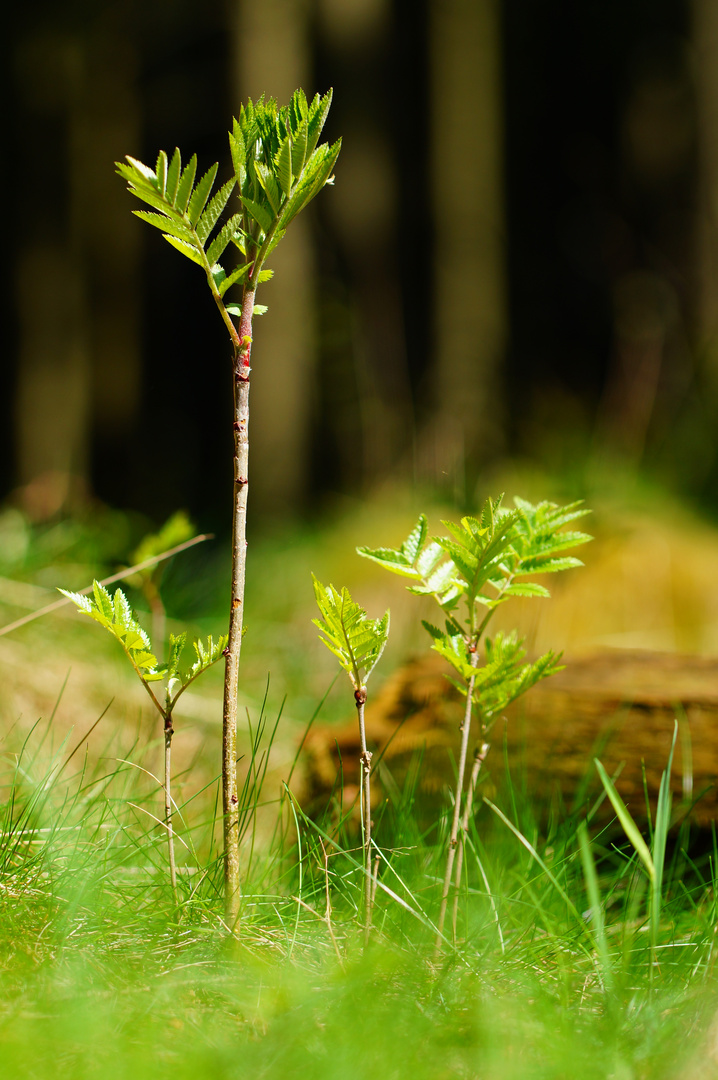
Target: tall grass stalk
(653,858)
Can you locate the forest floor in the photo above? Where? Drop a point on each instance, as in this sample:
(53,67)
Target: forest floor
(549,970)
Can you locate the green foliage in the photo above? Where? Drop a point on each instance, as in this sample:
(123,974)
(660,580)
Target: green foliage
(355,640)
(484,561)
(175,530)
(503,677)
(278,169)
(116,615)
(653,858)
(205,655)
(486,552)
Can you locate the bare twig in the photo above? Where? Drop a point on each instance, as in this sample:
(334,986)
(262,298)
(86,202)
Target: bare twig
(168,805)
(106,581)
(454,837)
(360,698)
(479,758)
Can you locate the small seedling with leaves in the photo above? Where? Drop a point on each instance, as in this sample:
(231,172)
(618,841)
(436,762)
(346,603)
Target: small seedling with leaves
(116,615)
(357,641)
(279,165)
(483,563)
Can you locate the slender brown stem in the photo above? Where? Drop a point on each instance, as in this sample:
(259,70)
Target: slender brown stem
(230,799)
(480,753)
(454,837)
(360,698)
(169,732)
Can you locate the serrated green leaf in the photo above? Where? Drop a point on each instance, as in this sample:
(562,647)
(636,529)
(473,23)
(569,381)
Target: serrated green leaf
(115,614)
(176,646)
(428,559)
(137,180)
(225,281)
(185,248)
(315,175)
(318,112)
(82,602)
(298,109)
(152,198)
(414,543)
(211,215)
(269,186)
(173,175)
(526,589)
(238,151)
(103,601)
(390,559)
(173,226)
(144,170)
(299,149)
(345,629)
(199,197)
(184,188)
(218,246)
(283,165)
(259,213)
(542,565)
(161,172)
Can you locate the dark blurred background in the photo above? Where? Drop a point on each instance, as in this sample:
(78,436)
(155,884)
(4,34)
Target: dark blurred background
(518,260)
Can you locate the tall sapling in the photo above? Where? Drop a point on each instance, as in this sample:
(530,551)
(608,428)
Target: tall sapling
(278,168)
(483,563)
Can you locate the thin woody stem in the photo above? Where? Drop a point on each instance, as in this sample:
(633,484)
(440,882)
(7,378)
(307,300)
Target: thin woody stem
(360,698)
(454,837)
(480,753)
(169,732)
(230,799)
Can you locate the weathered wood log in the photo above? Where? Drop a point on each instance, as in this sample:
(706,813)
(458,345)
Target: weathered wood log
(617,705)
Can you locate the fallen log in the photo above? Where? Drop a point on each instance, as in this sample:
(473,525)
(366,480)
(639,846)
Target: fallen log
(617,705)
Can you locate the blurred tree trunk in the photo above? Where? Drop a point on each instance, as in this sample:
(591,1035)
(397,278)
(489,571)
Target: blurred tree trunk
(377,414)
(271,57)
(705,46)
(470,291)
(76,282)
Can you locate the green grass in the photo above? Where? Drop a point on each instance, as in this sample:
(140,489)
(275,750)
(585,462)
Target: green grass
(101,976)
(552,973)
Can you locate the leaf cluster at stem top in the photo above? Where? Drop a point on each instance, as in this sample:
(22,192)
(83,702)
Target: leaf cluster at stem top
(117,617)
(484,561)
(356,640)
(279,166)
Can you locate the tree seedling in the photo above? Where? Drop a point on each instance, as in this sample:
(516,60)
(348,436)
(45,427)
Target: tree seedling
(485,561)
(116,615)
(358,643)
(278,166)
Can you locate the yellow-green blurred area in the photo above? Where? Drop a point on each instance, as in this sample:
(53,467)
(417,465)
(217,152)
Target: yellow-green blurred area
(511,286)
(649,582)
